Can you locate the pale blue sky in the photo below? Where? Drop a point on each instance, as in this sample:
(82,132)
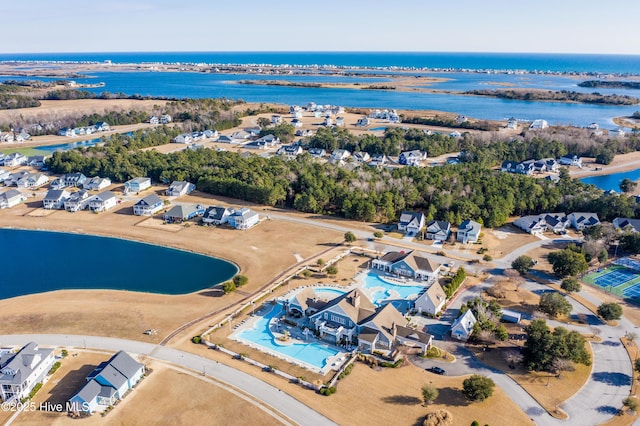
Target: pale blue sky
(559,26)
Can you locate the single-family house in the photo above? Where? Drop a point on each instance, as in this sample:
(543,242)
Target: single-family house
(78,200)
(408,264)
(619,223)
(328,121)
(539,124)
(412,158)
(556,222)
(14,159)
(11,198)
(276,119)
(409,337)
(432,300)
(33,180)
(297,123)
(438,230)
(107,383)
(468,231)
(165,119)
(180,188)
(183,212)
(6,137)
(21,371)
(455,134)
(533,224)
(363,122)
(339,156)
(148,206)
(36,160)
(571,160)
(618,133)
(290,151)
(54,199)
(378,160)
(340,121)
(96,183)
(243,219)
(137,184)
(211,134)
(154,120)
(65,131)
(225,139)
(462,327)
(361,156)
(583,220)
(101,126)
(317,152)
(304,132)
(183,138)
(21,136)
(103,202)
(512,123)
(11,179)
(411,222)
(217,215)
(73,179)
(509,166)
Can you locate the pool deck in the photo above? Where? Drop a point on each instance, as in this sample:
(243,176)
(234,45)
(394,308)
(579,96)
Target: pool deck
(296,337)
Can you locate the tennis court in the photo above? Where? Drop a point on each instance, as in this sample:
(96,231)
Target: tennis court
(615,278)
(632,292)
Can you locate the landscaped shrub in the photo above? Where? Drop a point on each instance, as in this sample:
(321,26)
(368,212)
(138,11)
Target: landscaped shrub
(196,339)
(54,367)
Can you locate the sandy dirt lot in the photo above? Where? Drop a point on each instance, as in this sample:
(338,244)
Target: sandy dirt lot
(620,163)
(177,397)
(256,251)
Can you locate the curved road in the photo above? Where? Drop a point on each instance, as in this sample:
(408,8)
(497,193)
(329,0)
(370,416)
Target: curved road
(285,404)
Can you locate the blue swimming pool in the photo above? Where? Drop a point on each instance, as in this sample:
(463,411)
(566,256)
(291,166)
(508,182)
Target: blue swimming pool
(313,353)
(378,129)
(383,290)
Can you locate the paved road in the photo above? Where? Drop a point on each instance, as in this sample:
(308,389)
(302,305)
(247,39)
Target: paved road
(596,402)
(270,395)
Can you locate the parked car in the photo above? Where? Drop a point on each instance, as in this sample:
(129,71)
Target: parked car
(437,370)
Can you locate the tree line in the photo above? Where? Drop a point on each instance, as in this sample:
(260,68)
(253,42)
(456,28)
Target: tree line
(562,95)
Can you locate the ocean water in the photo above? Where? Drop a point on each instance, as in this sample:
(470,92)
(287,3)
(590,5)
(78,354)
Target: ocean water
(40,261)
(446,60)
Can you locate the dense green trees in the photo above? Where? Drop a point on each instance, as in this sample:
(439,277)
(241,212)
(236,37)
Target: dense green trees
(610,311)
(522,264)
(570,285)
(477,388)
(568,262)
(543,347)
(627,185)
(554,304)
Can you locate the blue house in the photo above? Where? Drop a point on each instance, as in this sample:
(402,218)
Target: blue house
(148,205)
(108,382)
(137,184)
(183,212)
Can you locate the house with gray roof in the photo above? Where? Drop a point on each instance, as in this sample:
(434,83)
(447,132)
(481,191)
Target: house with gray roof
(73,179)
(148,206)
(244,218)
(411,222)
(11,198)
(180,188)
(107,383)
(468,231)
(33,180)
(183,212)
(217,215)
(22,370)
(532,224)
(408,264)
(78,200)
(136,185)
(620,223)
(103,202)
(55,198)
(413,338)
(438,230)
(96,183)
(15,159)
(462,327)
(583,220)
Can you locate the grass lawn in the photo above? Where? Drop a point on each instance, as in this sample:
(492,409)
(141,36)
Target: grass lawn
(24,151)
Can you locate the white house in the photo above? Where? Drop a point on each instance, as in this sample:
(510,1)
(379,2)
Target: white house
(338,156)
(512,123)
(55,198)
(432,300)
(148,206)
(462,327)
(96,183)
(154,120)
(412,158)
(78,200)
(583,220)
(11,198)
(33,180)
(103,202)
(244,218)
(361,156)
(217,215)
(165,119)
(363,122)
(290,151)
(533,224)
(22,370)
(137,184)
(411,222)
(539,124)
(183,138)
(180,188)
(468,231)
(317,152)
(571,160)
(15,159)
(438,230)
(108,383)
(378,160)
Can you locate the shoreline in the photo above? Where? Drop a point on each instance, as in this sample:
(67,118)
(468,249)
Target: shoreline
(621,163)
